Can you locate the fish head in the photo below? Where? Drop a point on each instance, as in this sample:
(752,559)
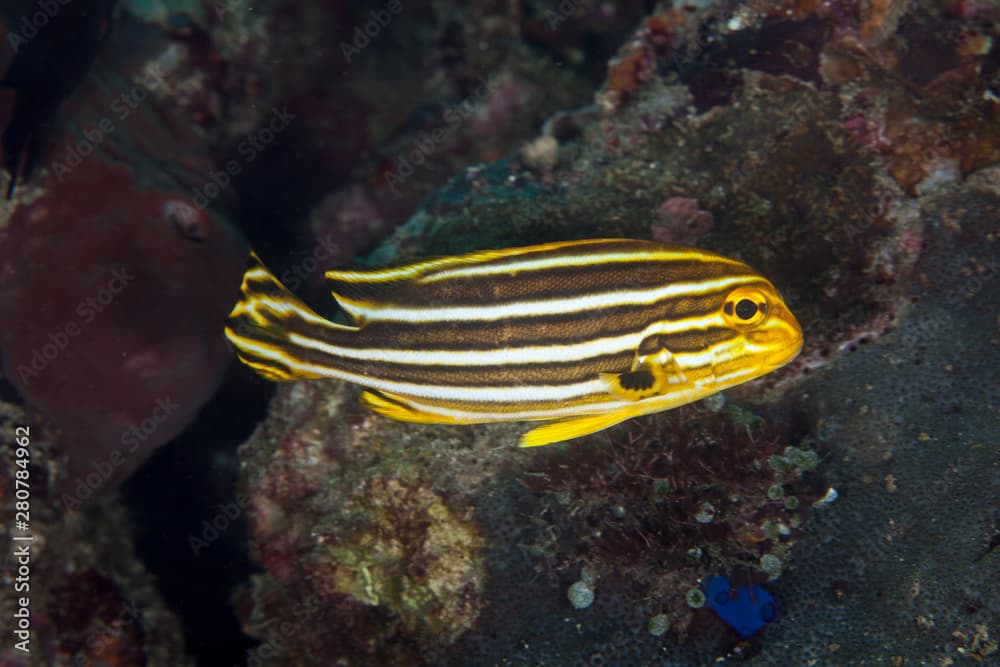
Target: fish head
(758,334)
(766,335)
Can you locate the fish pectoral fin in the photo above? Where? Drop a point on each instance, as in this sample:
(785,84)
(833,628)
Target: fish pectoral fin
(399,408)
(651,376)
(633,385)
(575,427)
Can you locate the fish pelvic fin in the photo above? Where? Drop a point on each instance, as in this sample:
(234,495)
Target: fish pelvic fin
(266,323)
(575,427)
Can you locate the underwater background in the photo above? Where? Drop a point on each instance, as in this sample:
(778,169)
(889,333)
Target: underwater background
(163,505)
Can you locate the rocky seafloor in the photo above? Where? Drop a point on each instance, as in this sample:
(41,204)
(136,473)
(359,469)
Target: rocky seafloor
(851,153)
(813,143)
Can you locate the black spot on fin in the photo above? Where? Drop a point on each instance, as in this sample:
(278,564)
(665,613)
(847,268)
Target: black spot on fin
(640,380)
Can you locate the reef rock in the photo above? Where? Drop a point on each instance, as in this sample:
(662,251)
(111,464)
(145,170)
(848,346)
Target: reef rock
(857,175)
(113,280)
(77,593)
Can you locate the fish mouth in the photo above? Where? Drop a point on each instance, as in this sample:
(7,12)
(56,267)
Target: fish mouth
(786,353)
(778,359)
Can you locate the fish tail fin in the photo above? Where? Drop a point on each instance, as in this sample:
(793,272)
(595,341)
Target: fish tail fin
(274,332)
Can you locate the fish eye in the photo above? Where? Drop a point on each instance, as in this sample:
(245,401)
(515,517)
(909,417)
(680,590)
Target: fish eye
(746,309)
(746,306)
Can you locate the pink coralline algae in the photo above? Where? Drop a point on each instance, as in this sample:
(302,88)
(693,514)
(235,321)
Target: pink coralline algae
(343,223)
(679,220)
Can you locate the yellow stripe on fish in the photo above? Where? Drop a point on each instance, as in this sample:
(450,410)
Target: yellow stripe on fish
(583,334)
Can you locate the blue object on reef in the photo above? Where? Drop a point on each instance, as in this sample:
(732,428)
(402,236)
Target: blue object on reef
(747,609)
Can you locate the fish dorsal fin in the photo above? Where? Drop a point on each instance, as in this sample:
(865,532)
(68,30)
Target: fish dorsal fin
(426,269)
(361,291)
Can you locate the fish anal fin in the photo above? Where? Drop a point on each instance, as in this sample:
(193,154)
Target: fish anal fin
(399,408)
(574,427)
(267,371)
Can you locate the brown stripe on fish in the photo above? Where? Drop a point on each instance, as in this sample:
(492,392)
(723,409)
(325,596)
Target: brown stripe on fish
(401,366)
(501,375)
(591,302)
(408,343)
(676,313)
(389,341)
(276,361)
(554,335)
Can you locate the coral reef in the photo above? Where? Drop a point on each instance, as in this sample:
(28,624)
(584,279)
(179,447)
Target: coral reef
(90,601)
(123,228)
(202,83)
(846,149)
(679,220)
(858,176)
(401,555)
(389,100)
(673,500)
(127,348)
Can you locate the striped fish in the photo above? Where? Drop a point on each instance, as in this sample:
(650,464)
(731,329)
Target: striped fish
(581,334)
